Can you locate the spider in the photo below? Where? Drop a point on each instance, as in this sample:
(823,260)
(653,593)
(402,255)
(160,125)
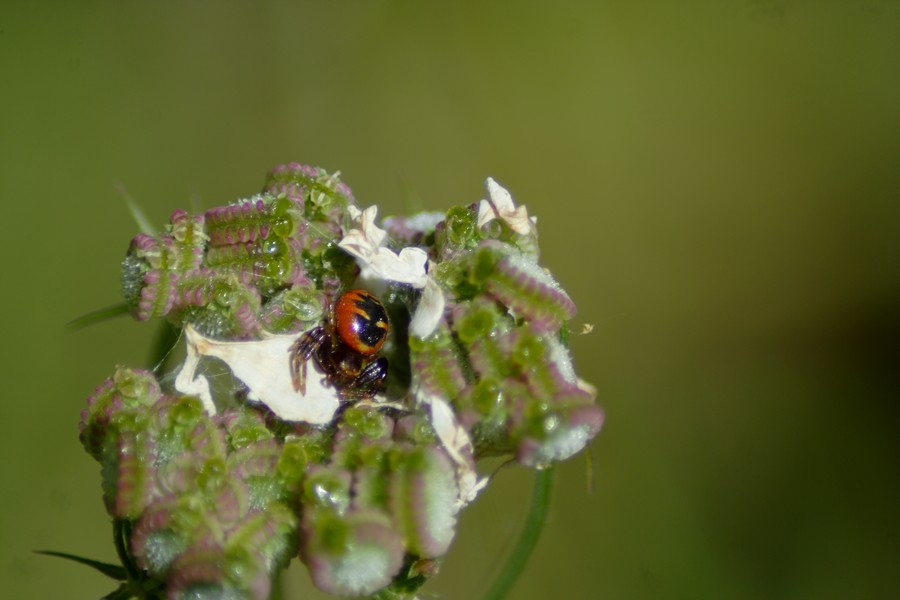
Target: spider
(344,347)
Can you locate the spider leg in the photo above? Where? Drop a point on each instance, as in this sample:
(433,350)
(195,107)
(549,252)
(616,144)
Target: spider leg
(306,346)
(370,380)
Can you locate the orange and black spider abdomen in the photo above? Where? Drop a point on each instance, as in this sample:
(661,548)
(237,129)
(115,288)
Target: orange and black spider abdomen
(361,321)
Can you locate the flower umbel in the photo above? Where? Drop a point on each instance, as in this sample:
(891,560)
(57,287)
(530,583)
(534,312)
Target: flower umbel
(356,456)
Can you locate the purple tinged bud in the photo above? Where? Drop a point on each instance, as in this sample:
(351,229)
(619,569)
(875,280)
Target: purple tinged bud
(231,503)
(256,466)
(154,541)
(246,320)
(176,477)
(566,434)
(344,190)
(158,295)
(190,240)
(327,487)
(95,418)
(126,391)
(303,182)
(197,289)
(489,359)
(144,244)
(527,289)
(257,460)
(414,428)
(354,556)
(371,480)
(294,310)
(541,359)
(245,427)
(199,573)
(423,500)
(437,365)
(268,533)
(242,223)
(130,490)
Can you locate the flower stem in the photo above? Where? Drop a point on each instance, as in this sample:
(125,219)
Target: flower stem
(121,533)
(528,538)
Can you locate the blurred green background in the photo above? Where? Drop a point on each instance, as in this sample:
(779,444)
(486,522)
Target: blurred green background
(717,188)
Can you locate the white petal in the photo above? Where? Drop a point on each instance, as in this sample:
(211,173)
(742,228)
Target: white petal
(452,435)
(501,206)
(486,213)
(406,267)
(364,242)
(456,442)
(500,196)
(429,311)
(356,243)
(470,485)
(372,231)
(188,382)
(354,212)
(264,367)
(365,232)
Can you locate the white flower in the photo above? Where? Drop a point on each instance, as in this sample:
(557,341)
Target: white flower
(365,243)
(264,367)
(501,206)
(378,264)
